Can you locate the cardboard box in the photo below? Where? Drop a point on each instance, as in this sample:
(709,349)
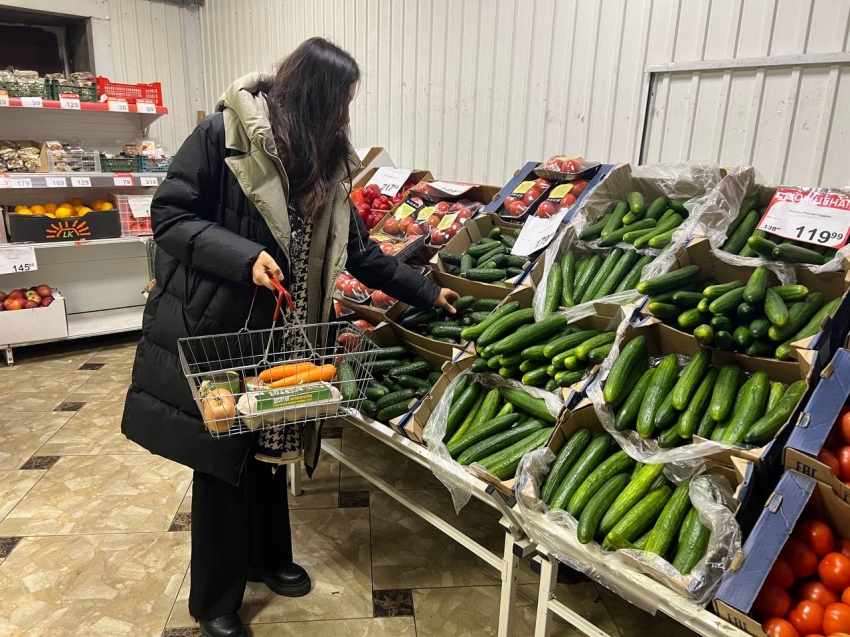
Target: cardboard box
(20,327)
(831,284)
(43,165)
(795,496)
(372,158)
(104,224)
(361,310)
(817,420)
(416,175)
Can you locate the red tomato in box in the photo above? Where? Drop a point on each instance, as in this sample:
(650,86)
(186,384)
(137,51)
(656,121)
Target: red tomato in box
(843,455)
(517,209)
(567,200)
(777,627)
(807,618)
(348,289)
(836,619)
(834,572)
(433,221)
(818,593)
(803,560)
(438,237)
(817,536)
(772,601)
(579,186)
(454,228)
(531,195)
(363,324)
(358,197)
(391,225)
(781,574)
(404,224)
(415,230)
(542,183)
(546,209)
(463,213)
(828,458)
(455,206)
(442,206)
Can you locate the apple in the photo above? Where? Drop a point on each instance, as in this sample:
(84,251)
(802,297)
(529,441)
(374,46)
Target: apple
(3,296)
(31,305)
(17,294)
(32,295)
(44,291)
(13,304)
(47,300)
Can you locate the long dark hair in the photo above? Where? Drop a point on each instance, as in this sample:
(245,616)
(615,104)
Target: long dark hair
(308,106)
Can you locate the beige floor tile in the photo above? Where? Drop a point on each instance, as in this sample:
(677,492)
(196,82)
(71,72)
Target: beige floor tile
(407,552)
(14,485)
(29,381)
(92,586)
(120,352)
(186,504)
(109,383)
(68,359)
(383,461)
(379,627)
(634,622)
(333,545)
(41,402)
(23,433)
(93,430)
(322,490)
(101,494)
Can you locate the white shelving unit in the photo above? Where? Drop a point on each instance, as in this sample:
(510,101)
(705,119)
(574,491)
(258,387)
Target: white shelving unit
(102,280)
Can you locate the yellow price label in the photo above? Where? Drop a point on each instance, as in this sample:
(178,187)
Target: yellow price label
(424,213)
(522,188)
(560,191)
(447,221)
(404,211)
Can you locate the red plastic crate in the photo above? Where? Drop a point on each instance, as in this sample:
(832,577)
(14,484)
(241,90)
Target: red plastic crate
(130,92)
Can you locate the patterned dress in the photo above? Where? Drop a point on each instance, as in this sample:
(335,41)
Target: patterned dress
(281,445)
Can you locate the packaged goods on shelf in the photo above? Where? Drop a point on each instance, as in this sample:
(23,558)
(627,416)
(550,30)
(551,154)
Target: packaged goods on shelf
(378,191)
(23,83)
(132,93)
(135,214)
(82,84)
(22,157)
(71,220)
(25,320)
(71,157)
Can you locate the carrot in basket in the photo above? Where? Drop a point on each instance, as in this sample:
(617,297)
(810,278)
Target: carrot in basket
(283,371)
(325,373)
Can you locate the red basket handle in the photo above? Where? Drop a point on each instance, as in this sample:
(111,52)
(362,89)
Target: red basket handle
(281,294)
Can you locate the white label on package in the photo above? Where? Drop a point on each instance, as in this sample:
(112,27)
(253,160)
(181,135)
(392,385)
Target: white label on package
(32,102)
(149,181)
(537,232)
(81,182)
(56,182)
(5,182)
(140,205)
(145,107)
(21,182)
(811,216)
(4,98)
(390,180)
(119,106)
(70,101)
(453,188)
(14,260)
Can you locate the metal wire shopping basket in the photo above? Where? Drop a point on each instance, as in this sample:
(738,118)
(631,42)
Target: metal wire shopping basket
(258,379)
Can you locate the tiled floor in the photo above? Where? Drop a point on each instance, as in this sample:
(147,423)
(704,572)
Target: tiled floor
(94,530)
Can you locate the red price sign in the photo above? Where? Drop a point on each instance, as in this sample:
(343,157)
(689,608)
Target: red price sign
(815,216)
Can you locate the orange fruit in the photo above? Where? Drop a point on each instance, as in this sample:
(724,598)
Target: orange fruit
(62,212)
(107,205)
(51,215)
(96,204)
(76,201)
(50,207)
(23,211)
(83,211)
(38,210)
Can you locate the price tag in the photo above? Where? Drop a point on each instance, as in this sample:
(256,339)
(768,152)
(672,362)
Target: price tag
(560,191)
(14,260)
(21,182)
(32,102)
(56,182)
(522,188)
(81,182)
(69,101)
(404,210)
(447,221)
(119,106)
(149,181)
(814,216)
(390,180)
(140,206)
(4,98)
(453,188)
(123,179)
(424,213)
(538,232)
(145,107)
(5,182)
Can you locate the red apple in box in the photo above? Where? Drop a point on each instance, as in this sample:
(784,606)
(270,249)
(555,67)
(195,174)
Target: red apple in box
(17,295)
(13,303)
(44,291)
(32,295)
(3,296)
(31,305)
(47,300)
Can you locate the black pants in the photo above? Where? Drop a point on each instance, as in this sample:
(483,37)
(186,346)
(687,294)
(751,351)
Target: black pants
(234,529)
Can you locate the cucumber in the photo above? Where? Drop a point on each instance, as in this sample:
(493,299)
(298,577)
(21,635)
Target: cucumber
(698,404)
(590,458)
(662,240)
(481,248)
(486,275)
(666,415)
(742,337)
(675,280)
(759,327)
(761,347)
(505,325)
(670,437)
(706,426)
(467,262)
(723,341)
(633,235)
(507,360)
(625,371)
(665,311)
(624,264)
(536,377)
(452,331)
(777,390)
(616,219)
(783,352)
(408,369)
(582,351)
(630,496)
(529,365)
(656,208)
(394,397)
(765,428)
(756,286)
(527,403)
(791,293)
(414,383)
(616,236)
(627,414)
(393,411)
(450,257)
(503,464)
(566,458)
(679,204)
(633,276)
(661,385)
(594,230)
(488,410)
(499,441)
(775,308)
(397,353)
(691,319)
(382,366)
(635,201)
(460,408)
(487,305)
(665,226)
(605,270)
(598,505)
(670,521)
(599,354)
(584,278)
(687,300)
(460,386)
(725,391)
(478,432)
(568,272)
(704,334)
(641,516)
(419,318)
(554,285)
(798,316)
(727,302)
(693,543)
(374,393)
(618,463)
(534,353)
(369,408)
(568,378)
(474,331)
(690,379)
(719,289)
(480,365)
(736,242)
(754,398)
(796,254)
(551,385)
(722,324)
(527,335)
(509,372)
(703,305)
(567,341)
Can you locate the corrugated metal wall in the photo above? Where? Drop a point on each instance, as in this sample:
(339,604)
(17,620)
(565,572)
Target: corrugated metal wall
(472,89)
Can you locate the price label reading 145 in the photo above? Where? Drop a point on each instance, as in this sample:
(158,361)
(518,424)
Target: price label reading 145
(15,260)
(812,216)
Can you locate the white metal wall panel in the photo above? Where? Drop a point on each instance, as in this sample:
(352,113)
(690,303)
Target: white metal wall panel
(472,89)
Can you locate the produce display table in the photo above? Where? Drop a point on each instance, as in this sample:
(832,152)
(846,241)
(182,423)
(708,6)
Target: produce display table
(516,545)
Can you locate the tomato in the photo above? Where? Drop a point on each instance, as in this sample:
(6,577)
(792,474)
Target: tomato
(455,228)
(843,455)
(405,224)
(438,237)
(531,195)
(817,536)
(842,546)
(803,560)
(834,571)
(829,459)
(391,225)
(836,619)
(455,206)
(517,209)
(817,592)
(579,186)
(568,200)
(777,627)
(546,209)
(807,617)
(433,221)
(442,206)
(348,289)
(845,427)
(348,340)
(363,324)
(845,597)
(781,574)
(415,230)
(463,213)
(772,601)
(571,166)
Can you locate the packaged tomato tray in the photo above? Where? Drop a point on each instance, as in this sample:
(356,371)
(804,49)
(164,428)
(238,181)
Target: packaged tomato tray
(523,197)
(400,247)
(352,289)
(561,197)
(382,300)
(438,222)
(372,205)
(565,168)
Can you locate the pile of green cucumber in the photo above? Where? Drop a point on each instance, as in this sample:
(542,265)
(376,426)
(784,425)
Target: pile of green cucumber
(398,376)
(495,427)
(623,504)
(574,279)
(743,239)
(547,353)
(749,316)
(489,259)
(718,404)
(640,224)
(441,326)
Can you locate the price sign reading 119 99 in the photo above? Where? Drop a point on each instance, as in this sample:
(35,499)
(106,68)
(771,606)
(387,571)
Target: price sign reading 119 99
(818,217)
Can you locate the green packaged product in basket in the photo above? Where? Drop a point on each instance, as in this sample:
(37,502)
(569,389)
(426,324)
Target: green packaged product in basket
(268,407)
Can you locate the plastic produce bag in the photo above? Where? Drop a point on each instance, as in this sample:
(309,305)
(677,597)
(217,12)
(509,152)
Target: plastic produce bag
(711,495)
(457,478)
(720,207)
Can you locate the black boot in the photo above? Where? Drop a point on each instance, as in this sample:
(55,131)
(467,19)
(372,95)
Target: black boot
(224,626)
(290,581)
